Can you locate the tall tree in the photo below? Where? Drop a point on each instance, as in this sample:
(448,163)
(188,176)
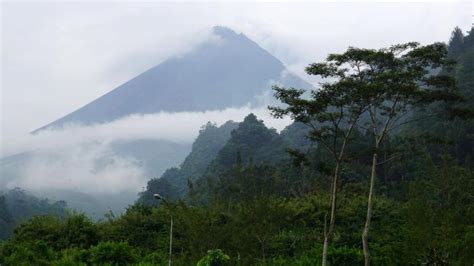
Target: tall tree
(331,113)
(393,82)
(456,43)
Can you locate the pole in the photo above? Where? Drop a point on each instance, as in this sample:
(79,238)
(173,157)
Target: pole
(159,197)
(171,238)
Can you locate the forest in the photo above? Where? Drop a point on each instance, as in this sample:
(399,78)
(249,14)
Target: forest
(376,168)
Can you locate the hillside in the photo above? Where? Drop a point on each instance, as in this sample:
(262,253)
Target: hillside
(18,206)
(218,149)
(173,183)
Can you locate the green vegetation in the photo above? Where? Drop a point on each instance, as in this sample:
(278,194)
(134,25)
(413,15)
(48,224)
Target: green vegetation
(386,85)
(214,257)
(248,195)
(17,206)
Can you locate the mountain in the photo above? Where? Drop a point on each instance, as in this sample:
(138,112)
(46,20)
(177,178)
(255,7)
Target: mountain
(229,70)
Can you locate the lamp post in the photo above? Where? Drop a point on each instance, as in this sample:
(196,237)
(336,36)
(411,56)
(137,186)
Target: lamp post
(159,197)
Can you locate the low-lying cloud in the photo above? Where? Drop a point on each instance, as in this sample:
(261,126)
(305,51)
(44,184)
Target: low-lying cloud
(87,167)
(181,127)
(80,157)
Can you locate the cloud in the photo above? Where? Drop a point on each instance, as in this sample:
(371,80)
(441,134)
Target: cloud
(180,127)
(80,158)
(90,168)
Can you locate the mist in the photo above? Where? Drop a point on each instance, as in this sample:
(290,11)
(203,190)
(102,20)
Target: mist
(69,158)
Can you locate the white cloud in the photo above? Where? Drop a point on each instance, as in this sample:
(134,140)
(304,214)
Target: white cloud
(79,168)
(80,158)
(181,127)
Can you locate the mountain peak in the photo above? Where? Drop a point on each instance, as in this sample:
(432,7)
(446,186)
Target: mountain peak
(223,32)
(251,119)
(211,77)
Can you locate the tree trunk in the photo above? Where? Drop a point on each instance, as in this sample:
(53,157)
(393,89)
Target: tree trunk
(328,234)
(262,246)
(365,233)
(325,249)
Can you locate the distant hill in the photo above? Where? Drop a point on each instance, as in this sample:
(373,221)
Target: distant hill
(17,206)
(227,71)
(218,149)
(173,183)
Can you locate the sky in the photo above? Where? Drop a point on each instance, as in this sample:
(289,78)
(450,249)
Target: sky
(58,56)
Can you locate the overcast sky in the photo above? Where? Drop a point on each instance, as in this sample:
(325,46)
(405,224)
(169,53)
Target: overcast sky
(57,56)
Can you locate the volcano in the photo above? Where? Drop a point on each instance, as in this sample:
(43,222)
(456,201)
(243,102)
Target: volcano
(229,70)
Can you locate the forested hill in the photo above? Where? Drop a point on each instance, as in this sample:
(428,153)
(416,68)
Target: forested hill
(17,206)
(173,183)
(218,149)
(252,140)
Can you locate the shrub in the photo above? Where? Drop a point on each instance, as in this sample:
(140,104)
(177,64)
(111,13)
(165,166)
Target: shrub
(115,253)
(30,253)
(214,257)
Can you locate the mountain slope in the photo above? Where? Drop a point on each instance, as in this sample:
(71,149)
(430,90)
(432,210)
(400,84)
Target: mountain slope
(227,71)
(173,183)
(218,149)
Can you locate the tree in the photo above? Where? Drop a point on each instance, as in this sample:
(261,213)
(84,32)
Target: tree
(394,81)
(79,231)
(456,43)
(440,214)
(331,113)
(214,257)
(112,253)
(384,85)
(44,228)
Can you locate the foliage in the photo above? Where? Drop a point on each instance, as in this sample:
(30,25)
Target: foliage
(214,257)
(173,183)
(16,206)
(113,253)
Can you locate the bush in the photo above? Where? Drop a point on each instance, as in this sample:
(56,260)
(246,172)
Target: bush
(115,253)
(156,258)
(336,256)
(79,231)
(214,257)
(45,228)
(74,256)
(30,253)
